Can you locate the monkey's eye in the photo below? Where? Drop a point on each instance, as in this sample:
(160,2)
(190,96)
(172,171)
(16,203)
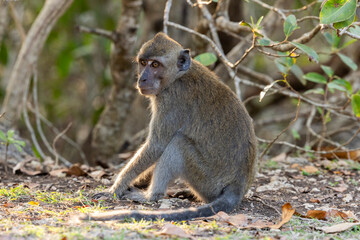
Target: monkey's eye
(143,62)
(155,64)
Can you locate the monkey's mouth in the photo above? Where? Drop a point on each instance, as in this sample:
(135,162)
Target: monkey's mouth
(148,91)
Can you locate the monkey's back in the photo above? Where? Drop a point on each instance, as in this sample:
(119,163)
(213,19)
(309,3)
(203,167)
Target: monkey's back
(220,128)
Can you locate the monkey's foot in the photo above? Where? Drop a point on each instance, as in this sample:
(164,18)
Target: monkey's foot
(184,194)
(135,195)
(103,196)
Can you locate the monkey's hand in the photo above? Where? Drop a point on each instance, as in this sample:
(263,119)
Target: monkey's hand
(103,196)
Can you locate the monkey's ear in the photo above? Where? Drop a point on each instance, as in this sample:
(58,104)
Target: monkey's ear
(184,60)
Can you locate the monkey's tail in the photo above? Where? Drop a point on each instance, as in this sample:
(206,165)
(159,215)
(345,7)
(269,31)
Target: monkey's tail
(227,201)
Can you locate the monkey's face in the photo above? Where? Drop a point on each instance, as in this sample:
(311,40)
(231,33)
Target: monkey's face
(151,76)
(161,61)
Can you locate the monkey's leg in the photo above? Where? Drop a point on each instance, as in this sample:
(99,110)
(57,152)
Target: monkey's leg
(169,167)
(144,158)
(144,180)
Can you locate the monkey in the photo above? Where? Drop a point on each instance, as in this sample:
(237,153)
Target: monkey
(199,132)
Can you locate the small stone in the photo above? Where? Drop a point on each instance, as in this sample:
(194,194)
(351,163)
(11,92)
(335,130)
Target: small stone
(315,190)
(348,198)
(338,179)
(105,181)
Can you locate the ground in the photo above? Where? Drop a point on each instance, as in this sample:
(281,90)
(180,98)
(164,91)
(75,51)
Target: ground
(44,206)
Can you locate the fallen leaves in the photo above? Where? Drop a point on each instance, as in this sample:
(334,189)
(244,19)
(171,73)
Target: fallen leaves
(339,227)
(238,220)
(287,213)
(170,229)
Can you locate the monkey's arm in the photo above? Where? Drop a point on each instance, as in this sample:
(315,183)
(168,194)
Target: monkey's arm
(146,156)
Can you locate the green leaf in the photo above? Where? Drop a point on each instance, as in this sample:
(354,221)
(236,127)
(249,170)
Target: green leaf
(315,91)
(308,50)
(315,77)
(2,136)
(348,61)
(334,85)
(282,68)
(327,117)
(206,59)
(290,25)
(327,70)
(3,54)
(348,43)
(344,83)
(10,133)
(295,134)
(259,21)
(355,103)
(299,74)
(355,29)
(245,24)
(18,147)
(345,23)
(19,142)
(333,39)
(335,11)
(264,41)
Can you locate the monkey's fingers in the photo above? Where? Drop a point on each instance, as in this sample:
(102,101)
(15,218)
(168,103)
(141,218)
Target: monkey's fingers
(103,196)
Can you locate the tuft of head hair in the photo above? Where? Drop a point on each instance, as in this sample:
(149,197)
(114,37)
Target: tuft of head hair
(160,45)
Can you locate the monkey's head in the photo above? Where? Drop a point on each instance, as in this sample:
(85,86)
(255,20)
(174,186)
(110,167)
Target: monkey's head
(161,61)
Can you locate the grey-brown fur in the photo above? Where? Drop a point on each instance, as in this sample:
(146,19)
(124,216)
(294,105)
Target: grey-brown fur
(199,132)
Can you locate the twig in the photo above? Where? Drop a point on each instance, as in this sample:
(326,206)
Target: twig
(56,131)
(282,11)
(212,27)
(18,25)
(285,129)
(277,55)
(275,9)
(307,18)
(246,52)
(256,198)
(54,142)
(98,31)
(222,57)
(306,37)
(28,124)
(308,126)
(166,15)
(38,122)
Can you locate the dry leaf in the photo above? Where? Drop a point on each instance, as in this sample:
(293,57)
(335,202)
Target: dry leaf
(172,230)
(339,227)
(75,170)
(324,215)
(310,169)
(354,155)
(21,167)
(340,188)
(58,172)
(239,220)
(287,213)
(32,203)
(9,205)
(258,225)
(97,175)
(314,200)
(279,158)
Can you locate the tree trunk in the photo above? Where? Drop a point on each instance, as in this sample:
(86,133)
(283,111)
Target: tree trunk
(107,132)
(28,56)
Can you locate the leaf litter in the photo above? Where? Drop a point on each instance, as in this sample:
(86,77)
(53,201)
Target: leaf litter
(308,187)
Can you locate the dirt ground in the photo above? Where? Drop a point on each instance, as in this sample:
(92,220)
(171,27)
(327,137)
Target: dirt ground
(305,185)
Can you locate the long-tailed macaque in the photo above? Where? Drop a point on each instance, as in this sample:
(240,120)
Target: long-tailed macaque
(199,132)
